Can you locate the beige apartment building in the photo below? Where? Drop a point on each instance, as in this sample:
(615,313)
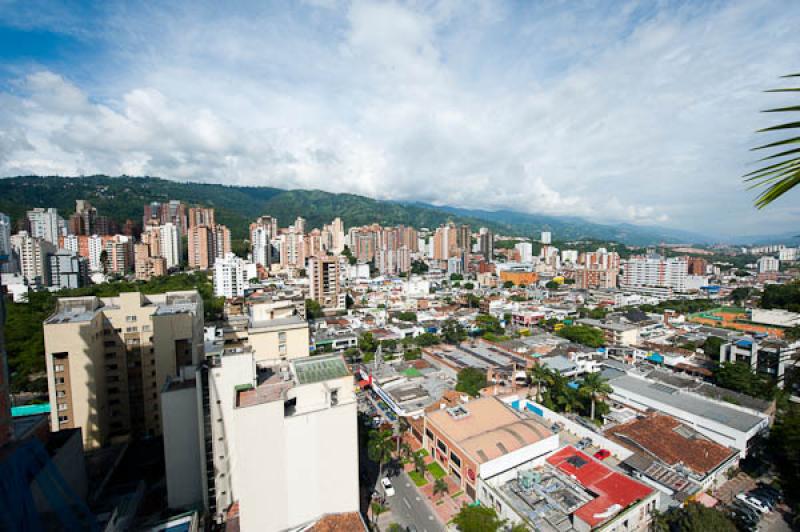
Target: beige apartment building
(107,359)
(325,279)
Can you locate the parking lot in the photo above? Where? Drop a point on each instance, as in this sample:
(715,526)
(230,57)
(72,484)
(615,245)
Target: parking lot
(770,522)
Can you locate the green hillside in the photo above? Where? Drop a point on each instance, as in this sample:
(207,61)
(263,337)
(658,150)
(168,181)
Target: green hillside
(123,198)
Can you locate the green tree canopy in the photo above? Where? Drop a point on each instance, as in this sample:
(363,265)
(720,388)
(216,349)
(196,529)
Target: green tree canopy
(739,377)
(367,342)
(313,309)
(693,517)
(406,316)
(427,339)
(583,334)
(477,519)
(711,347)
(471,381)
(453,332)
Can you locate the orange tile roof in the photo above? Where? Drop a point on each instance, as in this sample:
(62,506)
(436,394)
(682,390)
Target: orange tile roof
(347,522)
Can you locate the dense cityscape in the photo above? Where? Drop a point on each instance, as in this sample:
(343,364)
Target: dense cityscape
(399,266)
(393,377)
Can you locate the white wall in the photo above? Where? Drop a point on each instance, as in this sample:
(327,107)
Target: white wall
(182,454)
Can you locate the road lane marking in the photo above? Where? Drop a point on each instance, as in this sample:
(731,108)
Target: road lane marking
(407,503)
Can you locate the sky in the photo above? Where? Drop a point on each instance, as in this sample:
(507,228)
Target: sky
(617,111)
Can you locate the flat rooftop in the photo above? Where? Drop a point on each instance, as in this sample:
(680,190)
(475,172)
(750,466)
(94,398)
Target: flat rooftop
(614,491)
(659,393)
(486,428)
(319,368)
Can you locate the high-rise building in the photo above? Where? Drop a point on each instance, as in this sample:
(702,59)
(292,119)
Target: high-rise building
(525,250)
(32,255)
(768,264)
(107,360)
(173,212)
(292,249)
(86,220)
(201,216)
(119,257)
(300,411)
(44,224)
(337,236)
(697,265)
(655,271)
(169,236)
(232,276)
(68,270)
(146,265)
(5,388)
(262,231)
(445,242)
(207,243)
(486,244)
(324,274)
(464,238)
(6,260)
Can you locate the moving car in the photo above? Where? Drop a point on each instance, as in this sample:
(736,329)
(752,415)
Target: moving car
(388,489)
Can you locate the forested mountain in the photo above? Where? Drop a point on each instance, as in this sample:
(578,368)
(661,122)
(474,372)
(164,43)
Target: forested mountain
(122,198)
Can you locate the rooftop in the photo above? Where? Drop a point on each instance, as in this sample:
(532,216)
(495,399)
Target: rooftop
(671,396)
(614,491)
(671,442)
(486,428)
(319,368)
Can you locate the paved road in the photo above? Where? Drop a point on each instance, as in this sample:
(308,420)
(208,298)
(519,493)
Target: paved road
(409,507)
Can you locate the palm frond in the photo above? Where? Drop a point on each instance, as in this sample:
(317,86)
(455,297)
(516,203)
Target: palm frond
(777,178)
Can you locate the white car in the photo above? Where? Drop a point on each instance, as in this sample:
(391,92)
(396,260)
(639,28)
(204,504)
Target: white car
(388,489)
(753,503)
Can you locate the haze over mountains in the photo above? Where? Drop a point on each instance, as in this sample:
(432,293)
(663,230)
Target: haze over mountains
(122,198)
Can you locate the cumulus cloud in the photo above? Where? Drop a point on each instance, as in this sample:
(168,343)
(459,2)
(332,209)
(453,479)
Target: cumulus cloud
(641,112)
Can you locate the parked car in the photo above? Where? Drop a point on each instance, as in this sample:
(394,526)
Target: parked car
(602,454)
(753,502)
(388,489)
(583,443)
(748,513)
(768,491)
(768,500)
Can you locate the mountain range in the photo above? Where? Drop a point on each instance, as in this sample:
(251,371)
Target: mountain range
(123,197)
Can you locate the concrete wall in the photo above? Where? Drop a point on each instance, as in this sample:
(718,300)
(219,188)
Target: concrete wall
(182,454)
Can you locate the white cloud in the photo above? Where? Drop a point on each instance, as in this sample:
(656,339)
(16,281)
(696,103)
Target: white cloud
(635,113)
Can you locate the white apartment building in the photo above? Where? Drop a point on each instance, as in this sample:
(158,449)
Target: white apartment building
(657,272)
(789,254)
(768,264)
(276,434)
(96,246)
(32,254)
(525,250)
(169,236)
(232,276)
(44,224)
(569,255)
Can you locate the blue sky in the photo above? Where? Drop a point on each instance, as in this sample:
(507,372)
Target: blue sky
(635,111)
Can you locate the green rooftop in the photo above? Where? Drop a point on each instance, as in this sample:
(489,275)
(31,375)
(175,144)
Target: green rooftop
(317,369)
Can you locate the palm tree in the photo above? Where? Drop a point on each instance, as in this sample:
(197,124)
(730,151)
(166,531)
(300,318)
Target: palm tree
(379,448)
(402,428)
(540,375)
(440,486)
(595,386)
(784,173)
(419,463)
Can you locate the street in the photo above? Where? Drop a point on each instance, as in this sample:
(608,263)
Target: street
(409,507)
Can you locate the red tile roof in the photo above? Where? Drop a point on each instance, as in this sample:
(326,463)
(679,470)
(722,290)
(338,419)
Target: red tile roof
(614,491)
(349,522)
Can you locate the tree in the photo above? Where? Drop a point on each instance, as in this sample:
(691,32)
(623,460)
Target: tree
(785,296)
(379,447)
(740,294)
(453,332)
(739,377)
(456,277)
(693,517)
(427,339)
(367,342)
(583,334)
(783,443)
(377,509)
(792,333)
(419,463)
(468,286)
(477,519)
(782,173)
(711,347)
(313,309)
(540,375)
(471,381)
(508,284)
(407,316)
(552,285)
(418,267)
(440,486)
(595,387)
(488,323)
(349,254)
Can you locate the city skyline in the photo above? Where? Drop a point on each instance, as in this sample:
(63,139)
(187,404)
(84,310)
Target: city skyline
(646,116)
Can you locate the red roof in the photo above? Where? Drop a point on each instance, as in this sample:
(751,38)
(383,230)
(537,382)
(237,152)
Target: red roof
(611,488)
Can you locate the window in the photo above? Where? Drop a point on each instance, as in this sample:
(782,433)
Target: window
(130,319)
(146,328)
(62,407)
(63,419)
(429,434)
(281,336)
(282,349)
(131,329)
(61,393)
(455,459)
(59,380)
(440,444)
(110,355)
(59,367)
(109,343)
